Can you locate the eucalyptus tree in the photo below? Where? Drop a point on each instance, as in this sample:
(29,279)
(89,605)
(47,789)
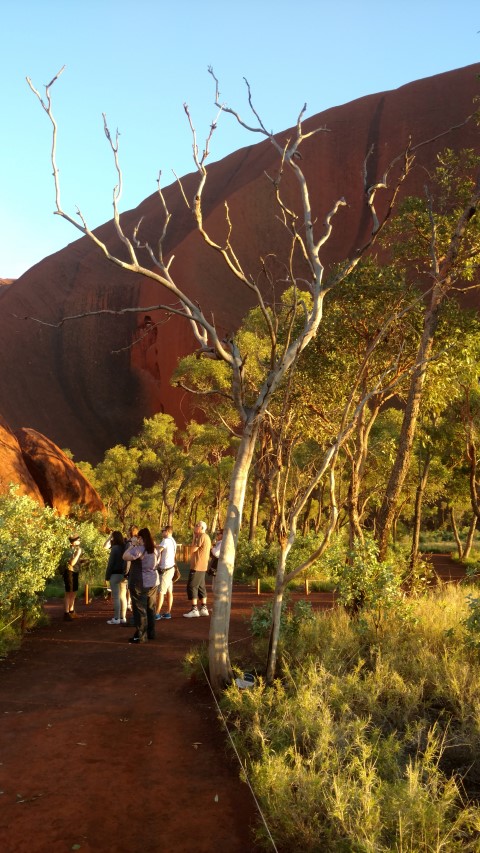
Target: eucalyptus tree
(471,419)
(452,370)
(211,450)
(438,238)
(117,478)
(372,327)
(161,452)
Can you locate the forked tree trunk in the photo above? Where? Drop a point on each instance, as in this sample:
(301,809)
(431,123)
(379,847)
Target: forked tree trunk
(257,487)
(401,465)
(470,538)
(318,517)
(276,616)
(283,579)
(456,535)
(417,515)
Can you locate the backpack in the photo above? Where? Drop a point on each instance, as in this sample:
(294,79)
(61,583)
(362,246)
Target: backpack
(212,566)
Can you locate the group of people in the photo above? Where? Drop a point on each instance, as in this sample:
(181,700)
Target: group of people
(144,571)
(141,572)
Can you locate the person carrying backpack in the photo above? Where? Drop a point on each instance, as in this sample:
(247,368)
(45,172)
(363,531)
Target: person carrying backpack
(143,585)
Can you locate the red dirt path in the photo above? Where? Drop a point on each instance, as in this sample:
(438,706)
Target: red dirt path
(106,746)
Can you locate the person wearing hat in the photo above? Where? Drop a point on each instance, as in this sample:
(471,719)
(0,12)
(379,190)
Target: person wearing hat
(70,578)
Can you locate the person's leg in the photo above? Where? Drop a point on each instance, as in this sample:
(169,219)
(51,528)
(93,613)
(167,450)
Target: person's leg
(151,602)
(123,600)
(139,615)
(74,593)
(115,587)
(202,595)
(192,594)
(68,586)
(165,590)
(69,598)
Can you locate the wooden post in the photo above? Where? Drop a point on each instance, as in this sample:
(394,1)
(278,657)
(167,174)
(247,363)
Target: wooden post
(87,600)
(307,590)
(258,586)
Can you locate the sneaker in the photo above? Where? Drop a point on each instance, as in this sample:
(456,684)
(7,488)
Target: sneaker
(137,640)
(123,621)
(113,622)
(204,611)
(167,616)
(191,613)
(67,617)
(158,616)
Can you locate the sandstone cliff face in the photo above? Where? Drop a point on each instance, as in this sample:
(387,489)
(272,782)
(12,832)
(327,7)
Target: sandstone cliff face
(82,384)
(12,466)
(59,481)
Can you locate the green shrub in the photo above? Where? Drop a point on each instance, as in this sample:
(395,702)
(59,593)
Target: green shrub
(31,543)
(255,559)
(365,584)
(472,623)
(33,540)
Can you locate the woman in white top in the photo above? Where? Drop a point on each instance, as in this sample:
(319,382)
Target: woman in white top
(167,550)
(214,555)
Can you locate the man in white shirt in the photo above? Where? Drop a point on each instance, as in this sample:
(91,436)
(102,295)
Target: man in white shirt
(166,568)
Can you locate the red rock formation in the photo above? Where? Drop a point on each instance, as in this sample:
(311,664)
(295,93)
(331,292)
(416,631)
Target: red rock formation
(81,384)
(12,466)
(60,482)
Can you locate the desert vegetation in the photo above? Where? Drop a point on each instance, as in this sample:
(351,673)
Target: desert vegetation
(33,540)
(337,434)
(369,740)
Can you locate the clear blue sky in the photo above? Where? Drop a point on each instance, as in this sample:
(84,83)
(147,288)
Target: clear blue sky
(139,60)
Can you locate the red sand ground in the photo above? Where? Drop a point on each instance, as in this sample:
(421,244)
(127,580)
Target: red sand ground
(105,746)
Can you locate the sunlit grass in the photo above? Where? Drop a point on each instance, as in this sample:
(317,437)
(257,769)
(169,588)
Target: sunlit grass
(357,746)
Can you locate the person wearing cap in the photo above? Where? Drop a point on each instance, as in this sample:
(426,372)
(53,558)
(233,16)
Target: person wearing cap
(70,578)
(196,590)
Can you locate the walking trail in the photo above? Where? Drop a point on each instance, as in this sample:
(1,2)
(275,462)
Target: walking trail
(105,746)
